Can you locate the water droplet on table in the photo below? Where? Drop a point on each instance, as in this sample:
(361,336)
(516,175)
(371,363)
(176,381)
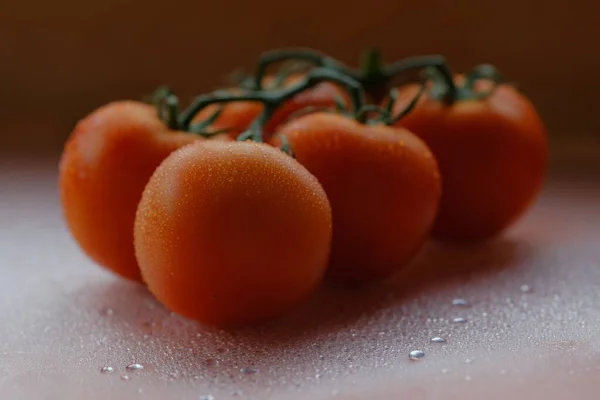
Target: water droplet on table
(460,302)
(107,370)
(211,362)
(438,339)
(134,367)
(525,288)
(459,320)
(416,355)
(249,371)
(107,312)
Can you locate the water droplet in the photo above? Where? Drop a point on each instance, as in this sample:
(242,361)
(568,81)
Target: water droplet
(416,355)
(211,362)
(321,357)
(134,367)
(107,312)
(125,378)
(468,378)
(207,397)
(444,370)
(107,370)
(438,339)
(459,320)
(249,371)
(525,288)
(460,302)
(468,361)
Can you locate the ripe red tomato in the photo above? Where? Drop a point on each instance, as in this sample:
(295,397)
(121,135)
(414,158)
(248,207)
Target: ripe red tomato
(237,116)
(232,233)
(492,155)
(383,186)
(105,165)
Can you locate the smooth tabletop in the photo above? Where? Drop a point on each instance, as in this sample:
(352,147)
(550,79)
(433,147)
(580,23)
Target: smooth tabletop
(530,330)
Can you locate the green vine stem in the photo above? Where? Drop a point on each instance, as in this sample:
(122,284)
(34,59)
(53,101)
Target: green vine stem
(374,76)
(468,89)
(272,99)
(384,113)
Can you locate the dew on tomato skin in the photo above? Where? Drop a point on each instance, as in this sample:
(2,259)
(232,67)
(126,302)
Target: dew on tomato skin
(416,355)
(107,370)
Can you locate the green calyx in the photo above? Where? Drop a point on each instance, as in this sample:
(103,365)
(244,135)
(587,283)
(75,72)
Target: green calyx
(469,89)
(374,76)
(272,99)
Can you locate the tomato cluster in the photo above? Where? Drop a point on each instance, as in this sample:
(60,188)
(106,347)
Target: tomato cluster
(234,210)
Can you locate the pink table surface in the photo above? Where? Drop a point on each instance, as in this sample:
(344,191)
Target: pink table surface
(62,318)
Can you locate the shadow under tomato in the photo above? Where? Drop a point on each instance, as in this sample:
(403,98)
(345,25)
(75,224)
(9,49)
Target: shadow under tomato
(438,265)
(146,327)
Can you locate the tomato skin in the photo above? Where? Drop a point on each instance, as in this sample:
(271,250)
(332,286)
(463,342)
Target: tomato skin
(104,167)
(492,156)
(237,116)
(384,189)
(231,234)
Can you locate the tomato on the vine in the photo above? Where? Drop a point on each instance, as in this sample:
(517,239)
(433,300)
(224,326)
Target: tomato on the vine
(232,233)
(104,167)
(491,148)
(383,186)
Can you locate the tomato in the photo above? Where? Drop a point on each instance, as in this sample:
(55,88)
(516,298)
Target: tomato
(492,155)
(237,116)
(383,185)
(232,233)
(105,165)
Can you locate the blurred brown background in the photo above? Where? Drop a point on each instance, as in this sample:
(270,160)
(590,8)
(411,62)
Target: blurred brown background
(60,59)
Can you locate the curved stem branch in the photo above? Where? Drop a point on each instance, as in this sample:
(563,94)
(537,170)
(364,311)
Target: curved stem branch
(201,102)
(434,61)
(299,54)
